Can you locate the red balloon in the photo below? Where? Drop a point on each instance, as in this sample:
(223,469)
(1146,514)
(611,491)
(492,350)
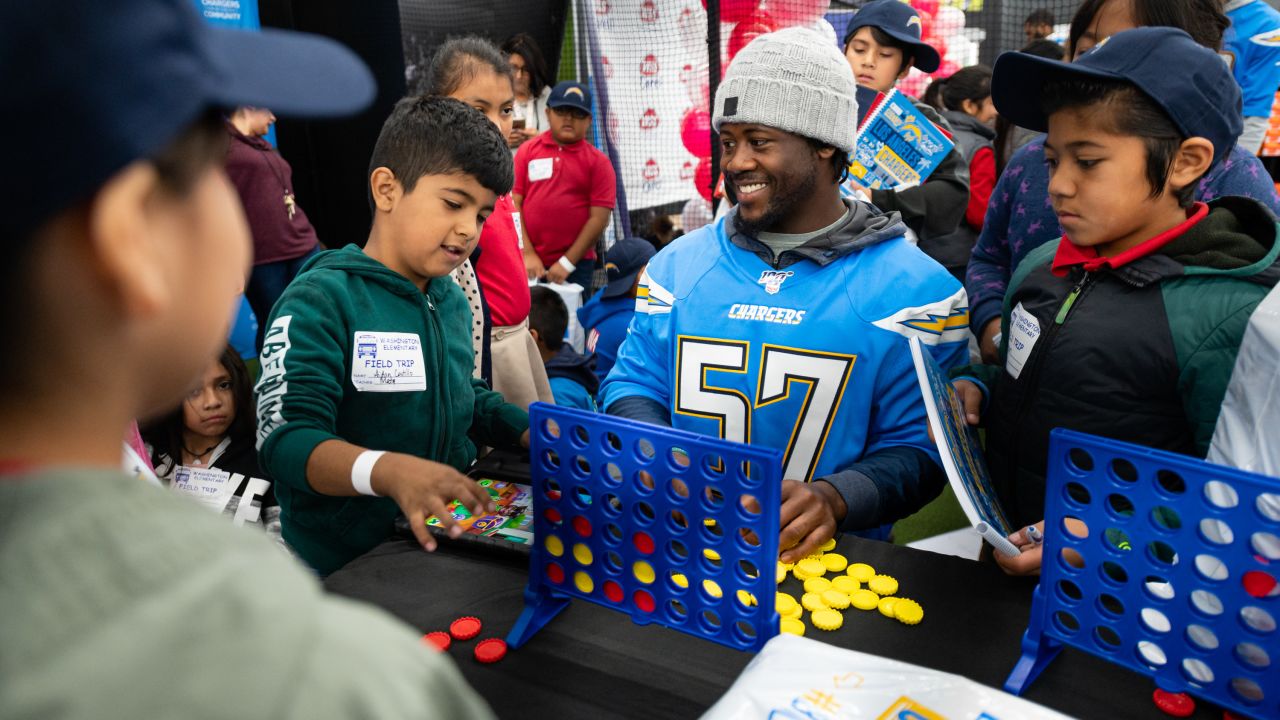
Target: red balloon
(695,132)
(748,30)
(798,12)
(702,178)
(938,44)
(945,70)
(926,6)
(732,11)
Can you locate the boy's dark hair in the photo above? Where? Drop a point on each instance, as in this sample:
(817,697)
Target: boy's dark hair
(459,60)
(165,434)
(1129,112)
(1045,48)
(972,83)
(883,38)
(839,160)
(525,46)
(1203,20)
(1041,16)
(549,316)
(201,146)
(430,135)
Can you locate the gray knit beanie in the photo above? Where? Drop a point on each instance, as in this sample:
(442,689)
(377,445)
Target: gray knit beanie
(793,80)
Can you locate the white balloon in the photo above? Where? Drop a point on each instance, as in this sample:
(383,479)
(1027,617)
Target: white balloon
(696,213)
(949,21)
(824,28)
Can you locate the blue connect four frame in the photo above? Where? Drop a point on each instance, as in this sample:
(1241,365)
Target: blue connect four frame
(669,527)
(1175,577)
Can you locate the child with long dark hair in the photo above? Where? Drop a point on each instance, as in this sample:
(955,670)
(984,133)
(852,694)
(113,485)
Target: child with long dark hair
(204,446)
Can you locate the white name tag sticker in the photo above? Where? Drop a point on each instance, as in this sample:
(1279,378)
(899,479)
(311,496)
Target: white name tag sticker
(208,486)
(387,362)
(1024,331)
(541,168)
(515,220)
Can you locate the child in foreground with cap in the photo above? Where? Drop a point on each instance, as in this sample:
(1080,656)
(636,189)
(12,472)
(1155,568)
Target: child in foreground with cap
(1129,325)
(367,406)
(120,599)
(786,323)
(606,316)
(572,381)
(881,45)
(565,190)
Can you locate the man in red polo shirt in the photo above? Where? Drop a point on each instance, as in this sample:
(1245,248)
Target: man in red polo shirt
(564,191)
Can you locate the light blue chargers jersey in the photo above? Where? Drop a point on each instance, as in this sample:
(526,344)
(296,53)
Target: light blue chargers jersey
(810,359)
(1252,44)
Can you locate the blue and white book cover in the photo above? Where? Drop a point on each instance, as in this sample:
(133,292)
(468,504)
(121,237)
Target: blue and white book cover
(897,147)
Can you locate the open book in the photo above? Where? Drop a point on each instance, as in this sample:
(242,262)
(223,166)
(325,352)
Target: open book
(897,146)
(961,453)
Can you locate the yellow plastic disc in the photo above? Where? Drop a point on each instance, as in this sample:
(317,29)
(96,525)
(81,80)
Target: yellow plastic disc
(711,555)
(815,556)
(812,601)
(835,562)
(882,585)
(844,584)
(712,589)
(554,545)
(861,572)
(793,626)
(908,612)
(796,612)
(864,599)
(886,606)
(584,582)
(818,585)
(582,554)
(836,599)
(784,603)
(786,566)
(811,567)
(800,574)
(643,572)
(827,619)
(746,599)
(828,545)
(680,580)
(782,573)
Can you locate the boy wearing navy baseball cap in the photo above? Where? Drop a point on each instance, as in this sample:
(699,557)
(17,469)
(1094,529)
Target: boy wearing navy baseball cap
(125,247)
(1128,326)
(882,44)
(565,190)
(606,316)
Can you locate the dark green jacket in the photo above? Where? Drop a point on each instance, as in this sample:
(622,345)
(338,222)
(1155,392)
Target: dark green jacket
(1142,353)
(306,395)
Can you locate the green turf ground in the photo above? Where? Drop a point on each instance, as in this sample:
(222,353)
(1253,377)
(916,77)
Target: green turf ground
(941,515)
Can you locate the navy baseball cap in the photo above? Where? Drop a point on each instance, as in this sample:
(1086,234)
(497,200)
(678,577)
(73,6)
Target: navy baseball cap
(570,94)
(1190,82)
(92,86)
(901,22)
(622,263)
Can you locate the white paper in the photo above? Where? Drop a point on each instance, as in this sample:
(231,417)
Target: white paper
(211,487)
(387,362)
(1024,331)
(540,169)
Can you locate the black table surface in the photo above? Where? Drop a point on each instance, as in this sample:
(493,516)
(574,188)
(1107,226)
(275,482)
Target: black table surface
(591,662)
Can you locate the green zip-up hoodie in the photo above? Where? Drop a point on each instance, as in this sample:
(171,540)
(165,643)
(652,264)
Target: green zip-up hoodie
(307,394)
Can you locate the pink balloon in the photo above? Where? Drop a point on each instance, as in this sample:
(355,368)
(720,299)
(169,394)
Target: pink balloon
(938,44)
(798,12)
(695,132)
(926,6)
(732,11)
(702,178)
(748,30)
(945,70)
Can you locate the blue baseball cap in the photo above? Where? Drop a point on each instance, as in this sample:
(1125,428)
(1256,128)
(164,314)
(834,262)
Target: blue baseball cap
(623,263)
(570,94)
(1190,82)
(901,22)
(92,86)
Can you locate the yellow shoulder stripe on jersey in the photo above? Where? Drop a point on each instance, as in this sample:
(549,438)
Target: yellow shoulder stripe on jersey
(945,321)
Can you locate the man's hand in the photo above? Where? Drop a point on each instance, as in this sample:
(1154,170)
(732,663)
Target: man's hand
(809,517)
(557,274)
(987,342)
(970,399)
(1032,557)
(533,266)
(423,488)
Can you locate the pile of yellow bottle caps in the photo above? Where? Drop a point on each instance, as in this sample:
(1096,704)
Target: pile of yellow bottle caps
(832,585)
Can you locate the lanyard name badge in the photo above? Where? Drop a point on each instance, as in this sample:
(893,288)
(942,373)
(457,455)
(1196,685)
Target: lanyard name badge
(210,487)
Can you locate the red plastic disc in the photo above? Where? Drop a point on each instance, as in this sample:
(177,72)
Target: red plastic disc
(555,573)
(582,526)
(1175,704)
(465,628)
(1258,584)
(643,543)
(644,601)
(438,640)
(553,516)
(613,591)
(490,650)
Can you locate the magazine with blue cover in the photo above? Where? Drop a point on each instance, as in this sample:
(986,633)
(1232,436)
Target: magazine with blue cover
(961,452)
(897,146)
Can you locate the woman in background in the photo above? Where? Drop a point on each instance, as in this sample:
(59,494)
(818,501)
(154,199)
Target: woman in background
(533,85)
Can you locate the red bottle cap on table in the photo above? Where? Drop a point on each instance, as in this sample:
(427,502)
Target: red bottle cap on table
(439,640)
(490,650)
(465,628)
(1175,704)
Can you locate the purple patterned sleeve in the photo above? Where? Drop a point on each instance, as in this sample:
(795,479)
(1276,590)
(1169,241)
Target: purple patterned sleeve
(1241,174)
(989,267)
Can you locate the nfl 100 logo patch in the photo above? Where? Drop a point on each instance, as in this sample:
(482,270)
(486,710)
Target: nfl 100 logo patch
(772,280)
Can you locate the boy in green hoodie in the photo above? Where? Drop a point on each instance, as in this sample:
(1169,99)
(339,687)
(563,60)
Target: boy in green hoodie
(366,404)
(1128,326)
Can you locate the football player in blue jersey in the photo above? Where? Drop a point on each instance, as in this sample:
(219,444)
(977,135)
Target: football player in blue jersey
(786,323)
(1253,46)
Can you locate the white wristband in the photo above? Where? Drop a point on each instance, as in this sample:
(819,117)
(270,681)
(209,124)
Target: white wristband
(362,471)
(568,266)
